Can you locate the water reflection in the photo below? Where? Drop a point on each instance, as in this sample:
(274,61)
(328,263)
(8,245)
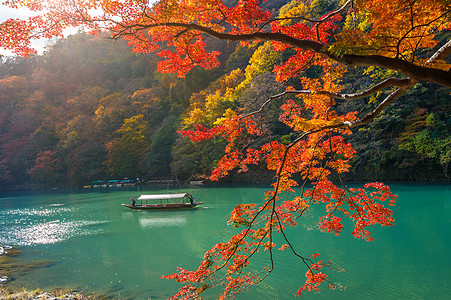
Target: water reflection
(161,222)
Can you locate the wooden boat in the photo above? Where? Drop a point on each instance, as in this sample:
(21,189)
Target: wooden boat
(164,201)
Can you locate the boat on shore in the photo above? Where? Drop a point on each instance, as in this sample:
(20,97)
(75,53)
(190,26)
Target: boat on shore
(163,201)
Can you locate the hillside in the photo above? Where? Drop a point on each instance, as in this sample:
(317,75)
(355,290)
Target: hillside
(90,110)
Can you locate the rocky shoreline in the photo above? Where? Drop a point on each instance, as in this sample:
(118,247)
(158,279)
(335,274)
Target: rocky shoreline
(23,294)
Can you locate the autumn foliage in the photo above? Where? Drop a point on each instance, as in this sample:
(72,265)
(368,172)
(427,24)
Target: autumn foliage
(395,43)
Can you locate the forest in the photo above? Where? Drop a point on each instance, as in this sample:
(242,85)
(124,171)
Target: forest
(90,109)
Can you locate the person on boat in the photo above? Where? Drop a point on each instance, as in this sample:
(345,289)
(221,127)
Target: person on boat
(191,199)
(133,201)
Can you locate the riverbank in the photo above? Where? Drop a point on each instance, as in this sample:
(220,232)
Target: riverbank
(6,293)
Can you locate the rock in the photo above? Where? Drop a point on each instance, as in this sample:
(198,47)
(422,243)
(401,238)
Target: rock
(45,295)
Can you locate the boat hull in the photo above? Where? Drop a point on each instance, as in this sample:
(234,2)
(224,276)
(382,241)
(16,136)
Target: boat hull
(163,206)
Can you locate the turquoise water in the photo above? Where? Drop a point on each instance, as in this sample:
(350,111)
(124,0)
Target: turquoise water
(92,243)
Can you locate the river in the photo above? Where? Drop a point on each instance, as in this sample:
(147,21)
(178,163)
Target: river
(86,240)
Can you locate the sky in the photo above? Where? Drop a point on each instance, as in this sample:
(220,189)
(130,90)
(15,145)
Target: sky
(6,13)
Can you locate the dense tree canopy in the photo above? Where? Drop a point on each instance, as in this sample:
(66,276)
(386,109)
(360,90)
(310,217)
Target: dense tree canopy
(301,132)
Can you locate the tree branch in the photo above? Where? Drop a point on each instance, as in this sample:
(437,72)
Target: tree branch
(441,53)
(390,82)
(322,20)
(372,115)
(402,66)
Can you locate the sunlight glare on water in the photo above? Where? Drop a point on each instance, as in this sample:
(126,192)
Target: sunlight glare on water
(42,226)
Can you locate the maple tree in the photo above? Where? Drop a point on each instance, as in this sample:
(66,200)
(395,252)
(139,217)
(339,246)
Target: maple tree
(394,43)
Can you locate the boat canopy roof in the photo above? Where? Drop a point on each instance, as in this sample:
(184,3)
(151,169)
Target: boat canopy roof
(162,196)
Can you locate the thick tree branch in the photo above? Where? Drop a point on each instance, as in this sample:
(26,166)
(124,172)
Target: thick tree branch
(372,115)
(441,53)
(402,66)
